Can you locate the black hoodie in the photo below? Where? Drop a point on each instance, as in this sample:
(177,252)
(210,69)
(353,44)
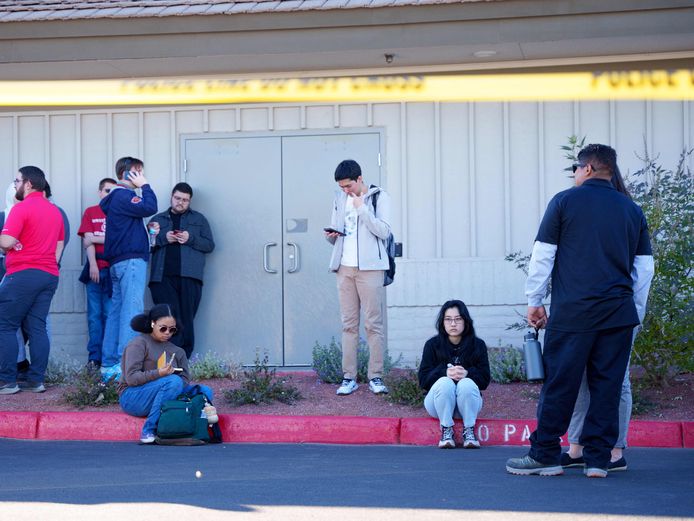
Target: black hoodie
(438,352)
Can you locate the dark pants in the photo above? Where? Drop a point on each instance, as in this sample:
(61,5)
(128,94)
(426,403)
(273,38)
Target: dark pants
(604,356)
(183,295)
(25,297)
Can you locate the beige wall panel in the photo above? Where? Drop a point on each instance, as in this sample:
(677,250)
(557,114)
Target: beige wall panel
(189,121)
(254,119)
(32,142)
(353,116)
(94,156)
(222,120)
(524,181)
(594,122)
(8,164)
(64,177)
(630,122)
(161,162)
(558,125)
(126,132)
(421,189)
(387,115)
(320,116)
(489,179)
(668,132)
(455,181)
(287,118)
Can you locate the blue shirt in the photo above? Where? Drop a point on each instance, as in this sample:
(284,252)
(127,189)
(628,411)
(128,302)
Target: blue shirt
(598,231)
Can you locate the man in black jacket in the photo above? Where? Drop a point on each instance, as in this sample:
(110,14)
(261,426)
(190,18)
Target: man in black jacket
(178,261)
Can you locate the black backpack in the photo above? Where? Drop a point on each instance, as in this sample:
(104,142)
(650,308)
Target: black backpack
(389,274)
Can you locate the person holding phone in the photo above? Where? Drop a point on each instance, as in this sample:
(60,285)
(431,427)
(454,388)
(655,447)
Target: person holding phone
(453,371)
(126,249)
(178,260)
(155,370)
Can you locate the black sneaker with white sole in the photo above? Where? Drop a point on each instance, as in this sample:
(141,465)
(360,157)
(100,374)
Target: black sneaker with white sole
(447,441)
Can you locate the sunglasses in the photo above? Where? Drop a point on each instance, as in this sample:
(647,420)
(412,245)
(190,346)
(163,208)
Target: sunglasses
(106,190)
(170,329)
(576,166)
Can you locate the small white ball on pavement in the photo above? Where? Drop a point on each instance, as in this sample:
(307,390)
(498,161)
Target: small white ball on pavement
(198,474)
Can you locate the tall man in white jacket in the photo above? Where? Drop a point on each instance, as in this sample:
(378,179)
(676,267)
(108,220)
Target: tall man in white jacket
(359,258)
(593,241)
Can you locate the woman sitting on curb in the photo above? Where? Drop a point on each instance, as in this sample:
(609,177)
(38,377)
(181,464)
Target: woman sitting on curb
(155,370)
(454,370)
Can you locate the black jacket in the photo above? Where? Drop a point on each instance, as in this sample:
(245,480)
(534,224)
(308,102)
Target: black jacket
(439,352)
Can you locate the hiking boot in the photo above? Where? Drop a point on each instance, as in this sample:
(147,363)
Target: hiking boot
(470,441)
(211,413)
(526,466)
(9,388)
(32,387)
(377,386)
(595,472)
(147,438)
(620,464)
(568,462)
(347,387)
(446,441)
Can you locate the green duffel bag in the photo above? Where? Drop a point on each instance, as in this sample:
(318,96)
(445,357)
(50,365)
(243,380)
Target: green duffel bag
(182,421)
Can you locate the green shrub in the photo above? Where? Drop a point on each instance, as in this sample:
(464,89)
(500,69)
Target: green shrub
(261,385)
(506,365)
(327,362)
(211,365)
(88,390)
(403,387)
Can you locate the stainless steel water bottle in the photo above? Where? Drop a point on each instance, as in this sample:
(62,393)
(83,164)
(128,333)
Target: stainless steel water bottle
(532,356)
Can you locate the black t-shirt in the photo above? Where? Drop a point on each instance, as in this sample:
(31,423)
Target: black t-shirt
(598,232)
(172,252)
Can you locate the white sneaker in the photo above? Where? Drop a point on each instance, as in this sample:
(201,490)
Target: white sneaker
(347,387)
(377,386)
(447,440)
(146,439)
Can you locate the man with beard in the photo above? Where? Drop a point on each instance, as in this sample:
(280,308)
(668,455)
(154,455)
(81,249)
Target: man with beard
(33,239)
(178,260)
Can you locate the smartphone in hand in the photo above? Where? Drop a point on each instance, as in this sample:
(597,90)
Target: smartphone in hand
(178,369)
(333,230)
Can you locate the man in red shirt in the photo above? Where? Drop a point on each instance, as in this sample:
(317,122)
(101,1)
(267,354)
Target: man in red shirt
(33,239)
(96,274)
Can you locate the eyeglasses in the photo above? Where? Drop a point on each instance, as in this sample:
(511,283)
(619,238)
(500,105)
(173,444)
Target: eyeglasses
(18,181)
(170,329)
(453,320)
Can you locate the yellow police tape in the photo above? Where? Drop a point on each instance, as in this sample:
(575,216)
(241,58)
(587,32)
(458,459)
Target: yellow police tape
(656,85)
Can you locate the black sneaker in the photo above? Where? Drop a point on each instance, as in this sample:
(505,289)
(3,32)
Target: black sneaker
(620,464)
(469,439)
(446,441)
(526,466)
(568,462)
(32,387)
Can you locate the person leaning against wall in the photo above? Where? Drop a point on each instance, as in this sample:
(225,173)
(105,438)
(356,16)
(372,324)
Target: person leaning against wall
(358,232)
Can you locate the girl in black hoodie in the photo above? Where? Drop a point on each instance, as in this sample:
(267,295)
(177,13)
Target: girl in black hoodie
(454,369)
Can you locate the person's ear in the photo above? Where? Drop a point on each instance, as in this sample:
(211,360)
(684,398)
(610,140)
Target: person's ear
(152,326)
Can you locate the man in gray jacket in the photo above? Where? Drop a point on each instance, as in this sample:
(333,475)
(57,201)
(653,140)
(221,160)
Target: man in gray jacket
(359,229)
(178,261)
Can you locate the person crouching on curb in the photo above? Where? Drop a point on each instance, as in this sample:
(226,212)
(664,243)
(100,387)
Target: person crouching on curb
(155,370)
(454,369)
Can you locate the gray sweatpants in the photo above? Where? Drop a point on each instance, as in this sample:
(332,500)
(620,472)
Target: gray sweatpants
(446,399)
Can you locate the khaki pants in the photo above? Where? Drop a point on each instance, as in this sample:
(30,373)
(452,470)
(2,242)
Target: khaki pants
(361,291)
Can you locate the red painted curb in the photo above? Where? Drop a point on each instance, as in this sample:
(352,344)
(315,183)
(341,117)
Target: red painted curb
(688,435)
(644,433)
(21,425)
(426,431)
(242,428)
(101,426)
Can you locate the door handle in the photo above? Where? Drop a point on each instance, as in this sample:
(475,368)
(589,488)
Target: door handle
(266,249)
(294,257)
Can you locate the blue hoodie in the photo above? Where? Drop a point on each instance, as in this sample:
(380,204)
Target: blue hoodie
(126,236)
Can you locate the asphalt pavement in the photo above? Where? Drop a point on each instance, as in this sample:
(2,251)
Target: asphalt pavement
(101,480)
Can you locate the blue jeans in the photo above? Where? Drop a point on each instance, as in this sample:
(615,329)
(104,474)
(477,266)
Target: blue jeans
(128,278)
(146,400)
(98,306)
(25,297)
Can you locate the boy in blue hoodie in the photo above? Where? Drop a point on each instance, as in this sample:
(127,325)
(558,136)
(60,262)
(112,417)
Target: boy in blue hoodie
(126,248)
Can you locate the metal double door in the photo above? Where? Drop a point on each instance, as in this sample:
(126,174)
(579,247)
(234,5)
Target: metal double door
(267,287)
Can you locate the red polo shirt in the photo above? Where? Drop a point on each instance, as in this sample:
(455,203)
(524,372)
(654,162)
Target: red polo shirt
(37,225)
(94,221)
